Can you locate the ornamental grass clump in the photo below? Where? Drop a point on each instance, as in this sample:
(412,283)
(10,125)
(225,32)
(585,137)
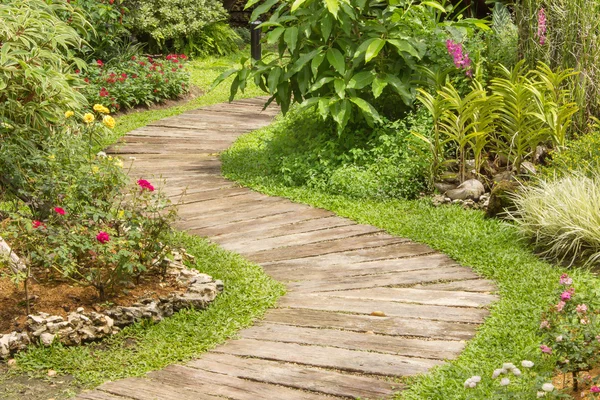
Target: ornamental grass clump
(562,218)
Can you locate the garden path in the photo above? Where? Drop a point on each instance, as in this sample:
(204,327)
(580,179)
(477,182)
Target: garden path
(363,307)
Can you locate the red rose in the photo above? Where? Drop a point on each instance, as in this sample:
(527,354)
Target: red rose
(100,63)
(37,224)
(59,210)
(144,184)
(103,92)
(103,237)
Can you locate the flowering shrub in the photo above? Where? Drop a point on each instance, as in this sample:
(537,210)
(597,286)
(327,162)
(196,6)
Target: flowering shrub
(571,330)
(140,80)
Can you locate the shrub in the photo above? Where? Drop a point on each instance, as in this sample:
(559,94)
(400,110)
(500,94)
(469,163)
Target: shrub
(140,80)
(180,25)
(347,59)
(562,217)
(581,155)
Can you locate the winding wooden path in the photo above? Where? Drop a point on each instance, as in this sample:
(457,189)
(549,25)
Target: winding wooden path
(363,307)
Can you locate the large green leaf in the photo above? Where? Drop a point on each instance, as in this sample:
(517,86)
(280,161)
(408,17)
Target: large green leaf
(361,80)
(367,109)
(263,8)
(273,79)
(374,48)
(340,87)
(378,85)
(403,45)
(291,38)
(274,35)
(316,62)
(333,6)
(297,4)
(336,59)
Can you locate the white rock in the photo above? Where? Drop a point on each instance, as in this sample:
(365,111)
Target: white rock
(47,338)
(471,189)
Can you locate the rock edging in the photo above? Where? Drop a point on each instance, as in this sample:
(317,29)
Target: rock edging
(82,327)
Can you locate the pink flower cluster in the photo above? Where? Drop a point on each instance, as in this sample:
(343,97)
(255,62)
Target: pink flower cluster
(459,56)
(541,31)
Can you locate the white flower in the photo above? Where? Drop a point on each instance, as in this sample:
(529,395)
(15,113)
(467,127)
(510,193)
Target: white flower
(476,379)
(541,394)
(508,366)
(527,364)
(472,384)
(132,158)
(497,373)
(559,338)
(468,383)
(101,154)
(504,382)
(547,387)
(516,372)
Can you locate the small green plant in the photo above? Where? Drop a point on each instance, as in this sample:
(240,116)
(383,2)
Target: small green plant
(562,217)
(571,330)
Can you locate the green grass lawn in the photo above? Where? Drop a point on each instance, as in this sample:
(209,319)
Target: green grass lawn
(492,248)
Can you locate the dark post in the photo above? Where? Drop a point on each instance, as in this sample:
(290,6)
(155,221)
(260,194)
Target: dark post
(255,49)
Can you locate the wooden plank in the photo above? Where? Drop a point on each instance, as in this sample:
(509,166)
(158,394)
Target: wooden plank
(291,227)
(316,249)
(150,389)
(329,357)
(194,213)
(99,395)
(470,285)
(406,278)
(247,228)
(403,346)
(390,308)
(383,325)
(400,249)
(210,207)
(298,239)
(200,381)
(424,295)
(296,376)
(315,270)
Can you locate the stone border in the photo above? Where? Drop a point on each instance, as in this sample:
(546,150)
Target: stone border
(83,327)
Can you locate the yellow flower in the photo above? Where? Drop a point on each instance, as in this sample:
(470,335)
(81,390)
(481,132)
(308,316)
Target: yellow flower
(108,121)
(69,114)
(51,157)
(118,162)
(101,109)
(88,118)
(95,169)
(120,214)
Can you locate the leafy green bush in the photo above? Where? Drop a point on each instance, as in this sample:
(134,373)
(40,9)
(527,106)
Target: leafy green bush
(303,150)
(126,84)
(581,155)
(348,58)
(562,217)
(182,26)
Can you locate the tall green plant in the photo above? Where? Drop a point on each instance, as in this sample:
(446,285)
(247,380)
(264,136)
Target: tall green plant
(346,58)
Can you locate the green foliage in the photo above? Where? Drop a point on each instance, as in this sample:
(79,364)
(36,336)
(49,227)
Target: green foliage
(571,329)
(108,31)
(523,110)
(569,40)
(302,150)
(182,26)
(347,58)
(502,42)
(562,217)
(581,155)
(137,81)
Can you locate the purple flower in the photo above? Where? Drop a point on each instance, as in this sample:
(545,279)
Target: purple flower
(541,31)
(545,349)
(459,56)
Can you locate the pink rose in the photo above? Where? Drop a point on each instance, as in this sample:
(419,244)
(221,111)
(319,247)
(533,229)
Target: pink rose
(103,237)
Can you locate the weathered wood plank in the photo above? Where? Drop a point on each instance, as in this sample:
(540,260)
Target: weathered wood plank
(98,395)
(149,389)
(406,278)
(403,346)
(393,309)
(329,357)
(424,295)
(296,376)
(201,381)
(471,285)
(382,325)
(316,249)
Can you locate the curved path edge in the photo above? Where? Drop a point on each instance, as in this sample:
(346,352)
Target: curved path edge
(363,307)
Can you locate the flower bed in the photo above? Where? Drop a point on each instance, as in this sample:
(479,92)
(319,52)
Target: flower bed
(138,81)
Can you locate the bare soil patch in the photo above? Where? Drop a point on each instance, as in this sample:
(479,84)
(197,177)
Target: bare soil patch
(563,381)
(61,298)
